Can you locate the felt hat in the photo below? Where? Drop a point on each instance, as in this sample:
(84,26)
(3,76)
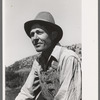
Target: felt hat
(45,19)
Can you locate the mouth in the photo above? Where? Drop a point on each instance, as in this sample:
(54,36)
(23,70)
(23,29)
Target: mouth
(37,44)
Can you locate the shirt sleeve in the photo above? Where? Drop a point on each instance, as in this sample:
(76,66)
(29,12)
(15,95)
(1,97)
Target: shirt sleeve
(31,88)
(70,80)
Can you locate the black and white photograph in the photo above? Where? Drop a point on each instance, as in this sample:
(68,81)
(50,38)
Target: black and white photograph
(42,50)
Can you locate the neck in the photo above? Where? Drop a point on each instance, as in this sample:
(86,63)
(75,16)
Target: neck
(43,60)
(46,54)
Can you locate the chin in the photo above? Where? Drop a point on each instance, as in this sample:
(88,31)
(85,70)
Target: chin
(39,50)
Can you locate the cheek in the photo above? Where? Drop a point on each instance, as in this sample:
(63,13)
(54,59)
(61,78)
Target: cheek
(45,38)
(47,41)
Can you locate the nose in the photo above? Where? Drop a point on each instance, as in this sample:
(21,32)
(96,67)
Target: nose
(35,39)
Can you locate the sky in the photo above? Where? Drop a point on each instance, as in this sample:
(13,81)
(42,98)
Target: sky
(67,14)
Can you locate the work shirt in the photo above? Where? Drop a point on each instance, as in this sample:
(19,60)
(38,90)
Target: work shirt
(61,80)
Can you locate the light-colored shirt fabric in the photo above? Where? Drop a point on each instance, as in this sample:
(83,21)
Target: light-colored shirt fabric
(61,81)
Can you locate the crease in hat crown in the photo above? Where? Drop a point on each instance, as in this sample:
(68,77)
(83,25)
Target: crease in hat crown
(45,16)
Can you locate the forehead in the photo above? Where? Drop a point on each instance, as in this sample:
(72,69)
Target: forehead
(35,29)
(40,27)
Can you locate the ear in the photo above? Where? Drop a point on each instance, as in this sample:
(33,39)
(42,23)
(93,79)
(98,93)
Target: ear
(54,35)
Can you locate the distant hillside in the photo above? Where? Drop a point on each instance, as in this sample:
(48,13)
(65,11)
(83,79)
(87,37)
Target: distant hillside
(76,48)
(25,62)
(17,73)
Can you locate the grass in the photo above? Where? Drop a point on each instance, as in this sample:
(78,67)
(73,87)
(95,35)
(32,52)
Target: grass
(11,94)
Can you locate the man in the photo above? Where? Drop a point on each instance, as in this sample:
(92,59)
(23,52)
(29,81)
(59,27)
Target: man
(56,72)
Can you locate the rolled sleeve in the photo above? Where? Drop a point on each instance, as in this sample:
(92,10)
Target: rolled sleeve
(31,84)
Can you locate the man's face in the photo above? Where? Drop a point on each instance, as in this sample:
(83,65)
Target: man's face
(40,39)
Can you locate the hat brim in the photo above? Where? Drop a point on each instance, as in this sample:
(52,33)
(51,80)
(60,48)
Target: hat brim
(28,25)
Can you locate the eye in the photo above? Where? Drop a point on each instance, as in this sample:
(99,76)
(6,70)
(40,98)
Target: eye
(39,32)
(31,34)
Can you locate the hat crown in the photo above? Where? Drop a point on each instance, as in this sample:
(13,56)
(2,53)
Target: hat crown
(45,16)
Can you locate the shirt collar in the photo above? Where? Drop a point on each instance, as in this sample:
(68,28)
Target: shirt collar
(56,52)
